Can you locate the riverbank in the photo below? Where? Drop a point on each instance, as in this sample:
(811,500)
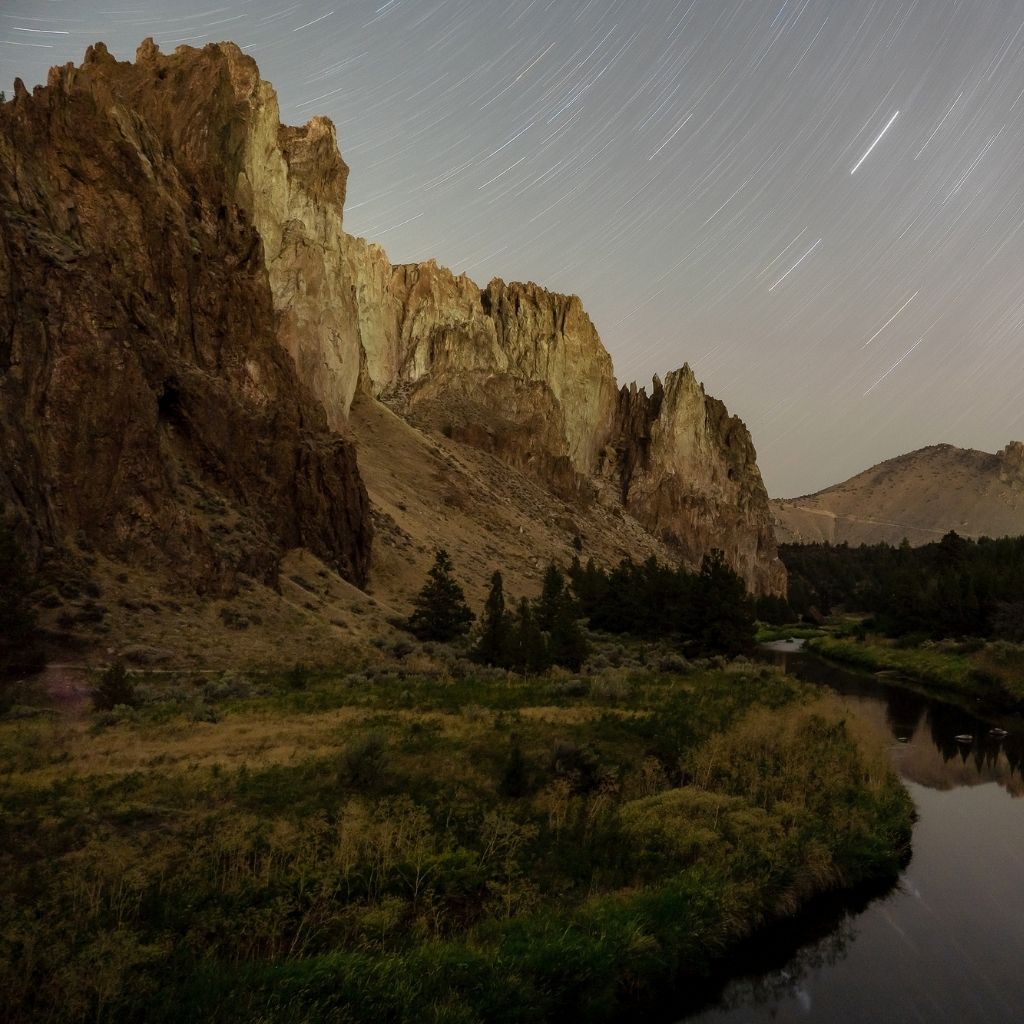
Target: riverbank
(943,943)
(970,673)
(383,845)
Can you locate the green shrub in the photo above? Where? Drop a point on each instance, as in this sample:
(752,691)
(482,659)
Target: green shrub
(114,688)
(365,763)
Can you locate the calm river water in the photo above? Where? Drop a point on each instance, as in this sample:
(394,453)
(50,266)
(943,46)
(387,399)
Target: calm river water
(947,944)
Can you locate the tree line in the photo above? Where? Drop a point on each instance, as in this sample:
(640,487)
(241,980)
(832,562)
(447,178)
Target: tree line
(703,613)
(952,587)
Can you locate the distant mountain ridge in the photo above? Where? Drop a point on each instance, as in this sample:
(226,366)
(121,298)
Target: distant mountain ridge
(921,496)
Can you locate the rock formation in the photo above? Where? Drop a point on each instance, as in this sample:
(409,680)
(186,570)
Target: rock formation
(147,410)
(184,325)
(921,496)
(521,372)
(687,471)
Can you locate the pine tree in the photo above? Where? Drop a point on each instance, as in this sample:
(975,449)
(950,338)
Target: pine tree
(723,617)
(439,610)
(558,615)
(567,646)
(530,650)
(552,596)
(493,646)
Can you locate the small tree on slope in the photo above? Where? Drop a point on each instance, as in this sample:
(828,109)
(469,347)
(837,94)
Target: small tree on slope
(495,634)
(440,611)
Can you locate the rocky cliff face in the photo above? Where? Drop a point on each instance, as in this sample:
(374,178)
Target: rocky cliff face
(687,471)
(521,372)
(147,410)
(511,368)
(1011,466)
(184,323)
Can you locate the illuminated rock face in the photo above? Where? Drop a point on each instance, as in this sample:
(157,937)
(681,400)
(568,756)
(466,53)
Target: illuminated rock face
(687,470)
(198,244)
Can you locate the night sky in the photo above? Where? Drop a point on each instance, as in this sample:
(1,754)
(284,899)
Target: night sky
(818,204)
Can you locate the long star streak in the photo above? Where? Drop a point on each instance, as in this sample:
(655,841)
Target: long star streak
(795,265)
(875,143)
(890,320)
(893,367)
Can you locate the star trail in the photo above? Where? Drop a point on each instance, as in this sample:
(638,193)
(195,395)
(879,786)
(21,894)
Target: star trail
(752,187)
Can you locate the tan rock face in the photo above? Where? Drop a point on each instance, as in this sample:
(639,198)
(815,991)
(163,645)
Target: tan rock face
(170,245)
(521,372)
(1011,465)
(292,183)
(687,470)
(147,409)
(426,331)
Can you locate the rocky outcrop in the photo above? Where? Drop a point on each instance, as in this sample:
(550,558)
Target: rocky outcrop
(521,372)
(687,470)
(147,409)
(512,367)
(1011,467)
(184,324)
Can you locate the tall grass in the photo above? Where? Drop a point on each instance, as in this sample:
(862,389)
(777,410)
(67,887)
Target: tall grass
(377,866)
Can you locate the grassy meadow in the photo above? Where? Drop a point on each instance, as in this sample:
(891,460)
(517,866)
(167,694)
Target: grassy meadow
(430,841)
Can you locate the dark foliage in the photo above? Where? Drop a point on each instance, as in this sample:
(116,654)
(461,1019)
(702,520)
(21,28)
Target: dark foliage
(19,649)
(529,649)
(776,611)
(115,688)
(538,635)
(515,773)
(298,677)
(440,611)
(707,612)
(494,647)
(954,587)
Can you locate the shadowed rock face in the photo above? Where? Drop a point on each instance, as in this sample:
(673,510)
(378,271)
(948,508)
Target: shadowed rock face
(147,410)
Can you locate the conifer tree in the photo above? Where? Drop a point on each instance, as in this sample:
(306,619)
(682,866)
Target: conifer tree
(530,650)
(723,616)
(493,646)
(558,615)
(567,646)
(439,610)
(552,596)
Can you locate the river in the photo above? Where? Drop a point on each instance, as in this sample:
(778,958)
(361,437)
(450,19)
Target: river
(947,942)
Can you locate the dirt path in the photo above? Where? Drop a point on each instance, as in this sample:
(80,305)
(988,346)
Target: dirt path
(862,519)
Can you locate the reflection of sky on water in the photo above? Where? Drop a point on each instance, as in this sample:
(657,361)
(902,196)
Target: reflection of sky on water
(946,945)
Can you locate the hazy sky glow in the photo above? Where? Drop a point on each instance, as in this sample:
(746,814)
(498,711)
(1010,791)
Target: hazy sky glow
(819,204)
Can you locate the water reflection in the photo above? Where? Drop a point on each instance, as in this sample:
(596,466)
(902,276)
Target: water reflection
(944,945)
(937,754)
